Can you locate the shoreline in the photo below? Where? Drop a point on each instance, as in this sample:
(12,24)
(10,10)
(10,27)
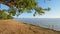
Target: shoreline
(11,26)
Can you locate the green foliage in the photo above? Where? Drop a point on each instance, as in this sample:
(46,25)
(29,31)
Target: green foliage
(4,15)
(24,6)
(40,10)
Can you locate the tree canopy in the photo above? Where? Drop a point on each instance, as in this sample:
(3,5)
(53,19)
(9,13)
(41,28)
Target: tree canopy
(4,15)
(23,6)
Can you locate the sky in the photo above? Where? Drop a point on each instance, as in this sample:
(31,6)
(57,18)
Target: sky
(53,13)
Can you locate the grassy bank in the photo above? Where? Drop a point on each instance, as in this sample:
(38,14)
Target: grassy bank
(14,27)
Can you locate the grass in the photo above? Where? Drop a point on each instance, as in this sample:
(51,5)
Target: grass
(15,27)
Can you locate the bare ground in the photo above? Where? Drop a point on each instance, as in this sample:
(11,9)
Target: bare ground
(15,27)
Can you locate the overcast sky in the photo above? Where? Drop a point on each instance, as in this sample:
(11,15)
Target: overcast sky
(53,13)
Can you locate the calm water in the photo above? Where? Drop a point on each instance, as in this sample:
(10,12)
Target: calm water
(52,23)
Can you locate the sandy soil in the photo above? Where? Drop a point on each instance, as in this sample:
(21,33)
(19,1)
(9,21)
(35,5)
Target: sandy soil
(15,27)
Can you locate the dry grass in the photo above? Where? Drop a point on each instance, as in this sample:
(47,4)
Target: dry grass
(14,27)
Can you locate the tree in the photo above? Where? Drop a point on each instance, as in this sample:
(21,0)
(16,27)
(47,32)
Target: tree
(4,15)
(23,5)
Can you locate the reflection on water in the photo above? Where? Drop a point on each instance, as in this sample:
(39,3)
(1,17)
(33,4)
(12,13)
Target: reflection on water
(52,23)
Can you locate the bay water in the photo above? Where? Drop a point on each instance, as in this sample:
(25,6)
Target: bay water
(52,23)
